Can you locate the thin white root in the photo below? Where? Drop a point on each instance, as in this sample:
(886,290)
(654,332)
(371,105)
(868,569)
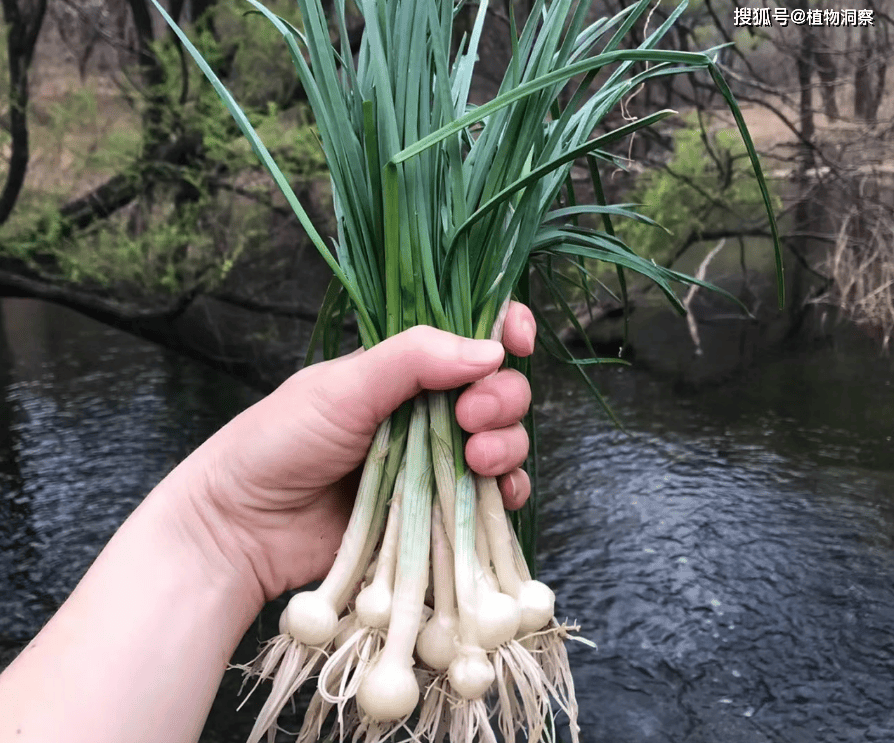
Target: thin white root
(526,704)
(265,663)
(314,719)
(470,722)
(549,645)
(344,670)
(296,665)
(434,712)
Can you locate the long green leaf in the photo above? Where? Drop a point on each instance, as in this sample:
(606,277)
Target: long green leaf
(367,326)
(692,59)
(759,174)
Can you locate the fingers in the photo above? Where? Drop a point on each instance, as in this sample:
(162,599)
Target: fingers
(515,488)
(520,330)
(497,452)
(426,358)
(420,358)
(494,402)
(372,384)
(491,409)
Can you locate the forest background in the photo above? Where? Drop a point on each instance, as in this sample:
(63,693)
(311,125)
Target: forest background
(129,195)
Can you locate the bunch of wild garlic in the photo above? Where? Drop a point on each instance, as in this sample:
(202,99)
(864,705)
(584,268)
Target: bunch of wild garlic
(429,619)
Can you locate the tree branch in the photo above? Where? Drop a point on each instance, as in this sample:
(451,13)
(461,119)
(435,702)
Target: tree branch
(162,322)
(24,28)
(278,309)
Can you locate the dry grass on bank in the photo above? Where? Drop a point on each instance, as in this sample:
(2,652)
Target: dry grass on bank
(861,266)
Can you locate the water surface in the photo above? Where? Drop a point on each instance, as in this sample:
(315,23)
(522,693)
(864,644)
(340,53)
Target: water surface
(732,553)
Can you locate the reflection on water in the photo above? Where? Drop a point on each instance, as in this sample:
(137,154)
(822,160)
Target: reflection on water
(732,555)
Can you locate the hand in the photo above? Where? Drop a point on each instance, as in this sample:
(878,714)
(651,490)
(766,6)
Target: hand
(259,508)
(281,477)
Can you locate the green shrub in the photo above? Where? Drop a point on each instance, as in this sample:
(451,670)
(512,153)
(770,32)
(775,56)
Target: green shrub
(694,193)
(164,249)
(192,221)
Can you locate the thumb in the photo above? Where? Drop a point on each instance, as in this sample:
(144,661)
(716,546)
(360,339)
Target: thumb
(421,358)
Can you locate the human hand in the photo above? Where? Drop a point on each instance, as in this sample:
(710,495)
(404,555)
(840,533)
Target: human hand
(280,479)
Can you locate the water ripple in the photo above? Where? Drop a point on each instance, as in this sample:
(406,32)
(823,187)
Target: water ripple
(735,594)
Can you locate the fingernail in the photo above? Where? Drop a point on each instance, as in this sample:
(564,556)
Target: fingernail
(481,352)
(511,488)
(530,333)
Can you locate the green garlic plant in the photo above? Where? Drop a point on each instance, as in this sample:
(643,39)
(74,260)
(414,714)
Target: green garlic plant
(430,622)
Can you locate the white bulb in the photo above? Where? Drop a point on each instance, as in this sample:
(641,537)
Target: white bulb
(284,622)
(436,644)
(498,618)
(471,673)
(388,692)
(537,603)
(373,605)
(311,619)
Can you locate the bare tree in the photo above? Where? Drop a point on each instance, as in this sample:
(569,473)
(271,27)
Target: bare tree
(23,19)
(870,70)
(824,55)
(91,28)
(202,313)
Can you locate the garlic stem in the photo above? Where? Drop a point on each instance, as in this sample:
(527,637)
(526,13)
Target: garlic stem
(536,601)
(389,690)
(493,520)
(470,672)
(442,459)
(437,642)
(312,616)
(482,551)
(373,603)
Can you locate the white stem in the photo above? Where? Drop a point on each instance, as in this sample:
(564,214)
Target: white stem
(464,558)
(368,508)
(482,550)
(389,690)
(536,601)
(496,333)
(437,642)
(348,587)
(312,616)
(497,614)
(518,556)
(442,565)
(470,673)
(442,459)
(373,603)
(493,517)
(388,551)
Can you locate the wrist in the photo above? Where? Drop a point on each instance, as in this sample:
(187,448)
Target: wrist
(189,499)
(148,631)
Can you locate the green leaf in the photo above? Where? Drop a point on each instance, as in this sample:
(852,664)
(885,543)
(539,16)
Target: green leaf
(267,160)
(326,319)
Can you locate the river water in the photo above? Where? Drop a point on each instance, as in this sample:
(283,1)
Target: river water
(731,552)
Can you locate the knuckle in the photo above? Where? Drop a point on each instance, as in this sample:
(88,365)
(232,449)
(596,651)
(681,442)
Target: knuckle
(417,336)
(422,335)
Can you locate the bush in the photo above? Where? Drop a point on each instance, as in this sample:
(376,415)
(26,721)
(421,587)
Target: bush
(706,186)
(194,216)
